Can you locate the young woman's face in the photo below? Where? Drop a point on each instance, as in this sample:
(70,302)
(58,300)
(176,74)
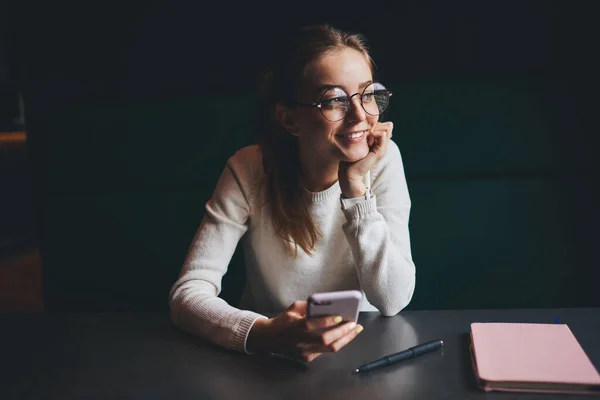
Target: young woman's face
(344,140)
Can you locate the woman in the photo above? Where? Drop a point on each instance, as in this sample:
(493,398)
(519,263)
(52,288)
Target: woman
(303,205)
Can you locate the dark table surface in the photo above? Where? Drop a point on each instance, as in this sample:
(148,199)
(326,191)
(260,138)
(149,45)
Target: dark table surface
(143,356)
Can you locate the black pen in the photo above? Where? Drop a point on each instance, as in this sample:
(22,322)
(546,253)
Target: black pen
(403,355)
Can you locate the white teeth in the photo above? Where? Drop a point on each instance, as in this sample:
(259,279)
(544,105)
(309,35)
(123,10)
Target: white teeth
(354,135)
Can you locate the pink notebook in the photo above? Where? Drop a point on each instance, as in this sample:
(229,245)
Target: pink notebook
(531,358)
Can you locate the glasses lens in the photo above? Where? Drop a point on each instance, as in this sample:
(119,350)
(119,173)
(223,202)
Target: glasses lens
(375,99)
(334,104)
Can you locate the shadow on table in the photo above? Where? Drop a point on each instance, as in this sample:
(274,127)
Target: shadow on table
(465,361)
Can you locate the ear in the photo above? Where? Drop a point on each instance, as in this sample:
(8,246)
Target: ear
(285,116)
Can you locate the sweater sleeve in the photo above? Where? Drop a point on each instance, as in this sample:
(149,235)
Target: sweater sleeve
(193,301)
(377,230)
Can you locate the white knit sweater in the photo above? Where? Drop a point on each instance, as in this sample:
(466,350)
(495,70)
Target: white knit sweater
(364,247)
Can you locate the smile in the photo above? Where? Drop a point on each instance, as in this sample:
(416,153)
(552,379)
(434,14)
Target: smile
(354,135)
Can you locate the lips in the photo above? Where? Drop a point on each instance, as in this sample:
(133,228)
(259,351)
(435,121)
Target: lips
(353,135)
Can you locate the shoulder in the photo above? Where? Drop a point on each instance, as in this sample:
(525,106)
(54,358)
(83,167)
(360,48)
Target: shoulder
(246,166)
(391,161)
(388,180)
(248,157)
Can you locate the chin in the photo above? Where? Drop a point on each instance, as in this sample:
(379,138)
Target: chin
(355,154)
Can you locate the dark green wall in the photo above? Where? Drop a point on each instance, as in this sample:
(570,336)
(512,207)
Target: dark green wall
(493,110)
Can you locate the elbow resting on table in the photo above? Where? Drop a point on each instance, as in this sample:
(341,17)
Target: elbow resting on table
(174,305)
(179,296)
(391,308)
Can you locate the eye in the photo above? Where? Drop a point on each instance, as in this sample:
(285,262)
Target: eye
(335,102)
(367,97)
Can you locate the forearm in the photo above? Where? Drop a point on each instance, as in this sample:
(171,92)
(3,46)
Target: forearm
(382,254)
(196,308)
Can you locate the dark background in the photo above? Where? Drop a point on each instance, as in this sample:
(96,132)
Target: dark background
(132,110)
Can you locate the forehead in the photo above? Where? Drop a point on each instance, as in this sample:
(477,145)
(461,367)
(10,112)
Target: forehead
(347,68)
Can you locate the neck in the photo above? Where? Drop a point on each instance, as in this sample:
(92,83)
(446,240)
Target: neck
(316,176)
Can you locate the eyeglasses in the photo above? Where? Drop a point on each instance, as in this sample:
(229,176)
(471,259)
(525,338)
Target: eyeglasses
(335,102)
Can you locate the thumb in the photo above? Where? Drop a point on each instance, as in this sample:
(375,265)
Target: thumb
(370,140)
(298,307)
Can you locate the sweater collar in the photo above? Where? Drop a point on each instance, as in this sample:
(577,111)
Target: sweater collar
(315,197)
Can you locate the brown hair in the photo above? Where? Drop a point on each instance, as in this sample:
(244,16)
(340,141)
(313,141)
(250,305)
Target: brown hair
(289,210)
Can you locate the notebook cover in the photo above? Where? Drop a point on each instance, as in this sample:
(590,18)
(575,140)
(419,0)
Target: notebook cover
(530,353)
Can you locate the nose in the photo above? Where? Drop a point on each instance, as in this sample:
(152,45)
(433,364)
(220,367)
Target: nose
(356,112)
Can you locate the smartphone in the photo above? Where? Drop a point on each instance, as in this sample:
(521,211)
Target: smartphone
(344,303)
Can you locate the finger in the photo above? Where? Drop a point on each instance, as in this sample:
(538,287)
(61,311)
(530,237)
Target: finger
(381,139)
(322,341)
(381,132)
(389,129)
(377,137)
(384,129)
(370,140)
(300,354)
(344,340)
(384,126)
(381,142)
(374,140)
(309,356)
(298,307)
(316,323)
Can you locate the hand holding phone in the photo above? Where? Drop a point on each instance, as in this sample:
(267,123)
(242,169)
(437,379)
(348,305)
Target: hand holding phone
(343,303)
(294,334)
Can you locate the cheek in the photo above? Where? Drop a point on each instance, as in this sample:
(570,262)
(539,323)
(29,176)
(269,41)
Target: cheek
(320,131)
(316,135)
(312,123)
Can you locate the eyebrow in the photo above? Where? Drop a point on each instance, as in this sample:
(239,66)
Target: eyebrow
(321,89)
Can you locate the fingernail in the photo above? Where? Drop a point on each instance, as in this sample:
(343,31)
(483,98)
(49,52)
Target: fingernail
(352,325)
(359,329)
(337,319)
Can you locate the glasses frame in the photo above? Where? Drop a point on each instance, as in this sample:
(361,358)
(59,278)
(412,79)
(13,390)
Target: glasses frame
(319,105)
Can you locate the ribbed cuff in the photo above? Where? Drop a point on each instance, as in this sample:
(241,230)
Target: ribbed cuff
(362,209)
(243,330)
